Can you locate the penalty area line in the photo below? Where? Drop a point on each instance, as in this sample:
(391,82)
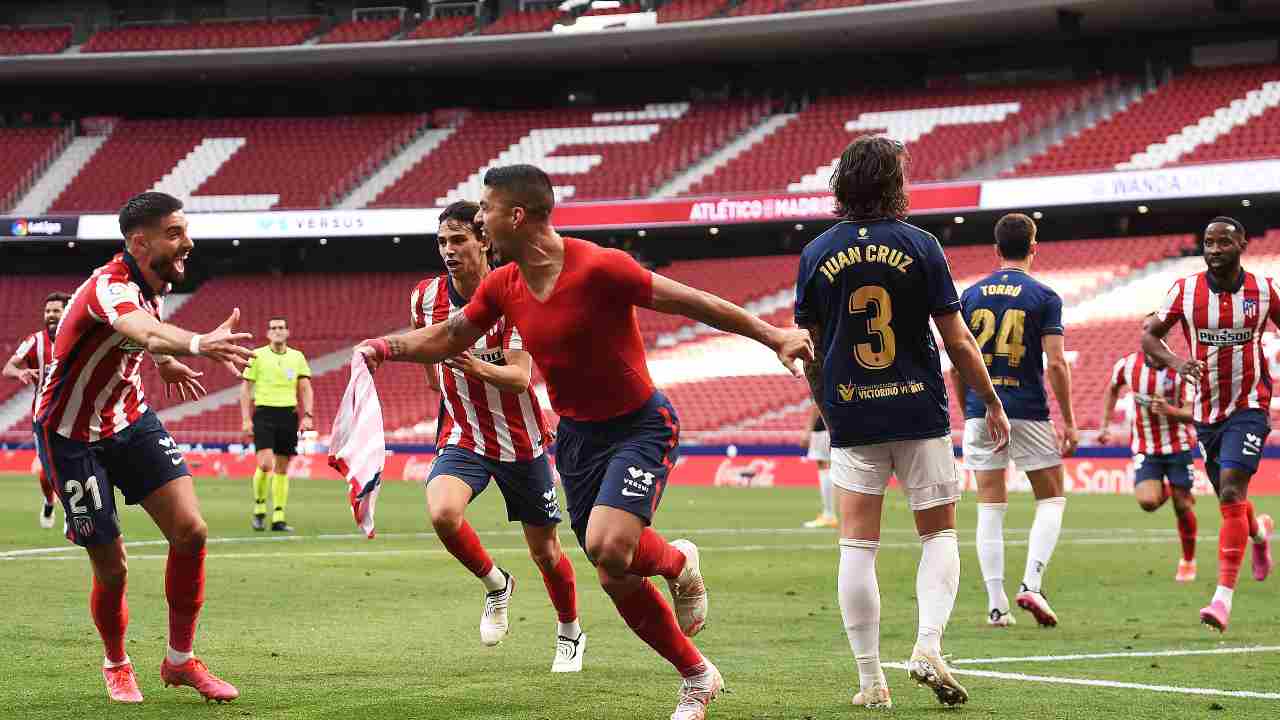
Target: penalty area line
(1109,655)
(1023,677)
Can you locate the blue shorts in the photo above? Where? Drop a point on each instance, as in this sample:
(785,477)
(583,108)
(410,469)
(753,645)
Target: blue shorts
(621,463)
(1233,443)
(137,460)
(527,486)
(1174,466)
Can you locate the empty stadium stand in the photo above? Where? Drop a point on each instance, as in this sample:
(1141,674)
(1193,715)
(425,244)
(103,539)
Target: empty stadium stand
(445,26)
(220,34)
(306,162)
(685,10)
(34,40)
(523,21)
(628,151)
(946,131)
(1203,114)
(361,31)
(27,151)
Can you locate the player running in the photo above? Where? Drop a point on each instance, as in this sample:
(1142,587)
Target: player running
(866,291)
(1018,324)
(95,433)
(492,427)
(820,453)
(1161,444)
(1223,312)
(30,366)
(574,306)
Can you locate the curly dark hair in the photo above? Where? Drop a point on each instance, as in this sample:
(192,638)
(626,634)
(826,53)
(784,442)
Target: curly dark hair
(144,208)
(870,180)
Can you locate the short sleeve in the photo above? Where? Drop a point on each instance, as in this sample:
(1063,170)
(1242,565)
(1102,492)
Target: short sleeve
(113,298)
(416,316)
(1274,303)
(805,314)
(26,352)
(941,285)
(628,280)
(304,369)
(514,341)
(1051,319)
(1117,374)
(485,306)
(1171,308)
(251,372)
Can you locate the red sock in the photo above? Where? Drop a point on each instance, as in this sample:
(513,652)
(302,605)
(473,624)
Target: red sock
(562,586)
(110,612)
(1232,539)
(649,616)
(1253,522)
(184,588)
(465,545)
(50,495)
(1187,528)
(655,556)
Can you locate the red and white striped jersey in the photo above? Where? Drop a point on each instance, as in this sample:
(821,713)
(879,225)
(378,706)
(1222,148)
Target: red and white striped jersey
(36,352)
(478,416)
(94,388)
(1153,434)
(1223,327)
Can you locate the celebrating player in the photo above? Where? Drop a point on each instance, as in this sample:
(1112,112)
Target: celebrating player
(574,306)
(820,453)
(1223,311)
(1161,444)
(275,383)
(866,291)
(30,366)
(1018,323)
(492,427)
(95,433)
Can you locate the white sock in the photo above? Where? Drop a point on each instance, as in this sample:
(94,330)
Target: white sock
(937,582)
(106,663)
(828,494)
(1224,594)
(177,658)
(1044,536)
(495,580)
(860,607)
(991,553)
(570,630)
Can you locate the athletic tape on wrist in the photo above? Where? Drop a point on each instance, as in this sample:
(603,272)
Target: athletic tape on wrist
(194,347)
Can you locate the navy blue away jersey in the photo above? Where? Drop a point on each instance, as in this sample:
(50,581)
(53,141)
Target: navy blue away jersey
(872,287)
(1009,312)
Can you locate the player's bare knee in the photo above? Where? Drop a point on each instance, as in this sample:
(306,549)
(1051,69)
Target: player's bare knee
(110,564)
(445,519)
(1149,504)
(190,537)
(1183,502)
(612,553)
(546,557)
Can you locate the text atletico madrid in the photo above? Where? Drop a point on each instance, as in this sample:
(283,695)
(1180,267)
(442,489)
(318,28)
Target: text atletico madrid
(865,254)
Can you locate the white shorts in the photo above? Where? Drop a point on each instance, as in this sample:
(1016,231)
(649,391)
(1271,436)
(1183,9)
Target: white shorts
(925,469)
(1033,445)
(819,446)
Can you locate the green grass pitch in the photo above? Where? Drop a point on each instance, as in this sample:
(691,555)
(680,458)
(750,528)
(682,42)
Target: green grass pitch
(325,624)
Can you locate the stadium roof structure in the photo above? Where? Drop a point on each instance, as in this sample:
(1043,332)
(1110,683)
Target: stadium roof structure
(912,24)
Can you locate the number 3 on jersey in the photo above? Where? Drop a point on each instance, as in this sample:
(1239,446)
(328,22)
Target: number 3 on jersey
(872,303)
(1009,340)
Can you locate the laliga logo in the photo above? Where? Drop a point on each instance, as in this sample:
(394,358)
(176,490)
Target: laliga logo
(23,227)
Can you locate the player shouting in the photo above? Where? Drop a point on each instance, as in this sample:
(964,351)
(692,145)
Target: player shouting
(1223,311)
(574,306)
(95,433)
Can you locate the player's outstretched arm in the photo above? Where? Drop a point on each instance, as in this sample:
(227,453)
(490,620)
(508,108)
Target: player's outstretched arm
(1059,372)
(1177,413)
(431,344)
(1154,331)
(221,343)
(514,377)
(966,358)
(676,298)
(1109,398)
(246,408)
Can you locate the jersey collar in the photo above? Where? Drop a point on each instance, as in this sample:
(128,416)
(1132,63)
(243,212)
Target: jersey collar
(455,297)
(135,274)
(1213,286)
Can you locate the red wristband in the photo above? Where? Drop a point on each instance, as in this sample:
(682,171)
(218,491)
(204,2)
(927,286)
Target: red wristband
(382,348)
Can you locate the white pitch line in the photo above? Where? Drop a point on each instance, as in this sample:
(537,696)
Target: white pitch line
(1107,536)
(1022,677)
(1104,656)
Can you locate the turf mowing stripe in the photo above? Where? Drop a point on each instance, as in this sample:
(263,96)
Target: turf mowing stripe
(1022,677)
(1104,656)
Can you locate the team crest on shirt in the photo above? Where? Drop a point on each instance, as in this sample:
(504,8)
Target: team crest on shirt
(1250,309)
(291,373)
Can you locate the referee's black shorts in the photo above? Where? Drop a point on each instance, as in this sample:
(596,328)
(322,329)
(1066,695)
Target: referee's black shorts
(276,428)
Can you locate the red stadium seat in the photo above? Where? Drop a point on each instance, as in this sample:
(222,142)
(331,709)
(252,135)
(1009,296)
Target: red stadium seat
(361,31)
(443,27)
(221,34)
(34,40)
(27,151)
